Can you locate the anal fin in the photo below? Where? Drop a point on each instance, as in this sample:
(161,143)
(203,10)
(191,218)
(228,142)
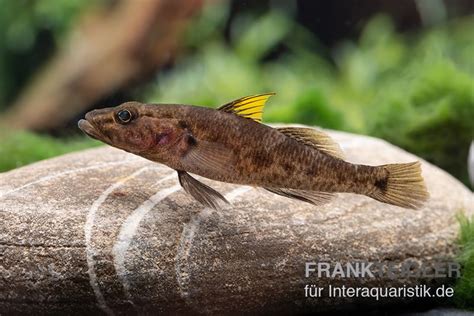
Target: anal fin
(313,197)
(204,194)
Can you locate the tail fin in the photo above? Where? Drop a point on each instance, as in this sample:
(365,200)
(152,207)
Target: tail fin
(404,186)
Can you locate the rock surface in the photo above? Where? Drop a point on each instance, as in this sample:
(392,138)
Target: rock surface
(105,231)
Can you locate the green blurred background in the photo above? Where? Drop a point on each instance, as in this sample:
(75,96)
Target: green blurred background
(404,73)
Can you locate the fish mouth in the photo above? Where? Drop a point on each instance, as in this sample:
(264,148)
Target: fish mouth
(88,128)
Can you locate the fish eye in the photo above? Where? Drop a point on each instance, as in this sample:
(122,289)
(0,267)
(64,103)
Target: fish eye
(124,116)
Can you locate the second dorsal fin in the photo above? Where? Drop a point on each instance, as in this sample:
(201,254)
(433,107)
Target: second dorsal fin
(314,138)
(249,107)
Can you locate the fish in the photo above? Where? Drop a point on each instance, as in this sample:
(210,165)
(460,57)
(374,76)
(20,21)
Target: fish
(231,144)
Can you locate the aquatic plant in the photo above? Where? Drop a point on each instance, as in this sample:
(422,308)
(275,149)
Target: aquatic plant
(464,290)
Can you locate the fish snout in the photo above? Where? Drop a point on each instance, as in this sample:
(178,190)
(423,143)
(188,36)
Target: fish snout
(96,121)
(89,125)
(88,128)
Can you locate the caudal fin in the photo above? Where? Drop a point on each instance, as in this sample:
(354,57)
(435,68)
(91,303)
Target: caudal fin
(404,186)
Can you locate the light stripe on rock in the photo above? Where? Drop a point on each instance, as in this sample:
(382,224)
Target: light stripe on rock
(186,241)
(88,237)
(130,227)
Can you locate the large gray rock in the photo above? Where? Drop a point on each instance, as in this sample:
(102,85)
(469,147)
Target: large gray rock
(103,230)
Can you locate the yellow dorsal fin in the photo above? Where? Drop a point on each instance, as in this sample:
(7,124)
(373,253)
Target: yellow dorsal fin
(314,138)
(249,107)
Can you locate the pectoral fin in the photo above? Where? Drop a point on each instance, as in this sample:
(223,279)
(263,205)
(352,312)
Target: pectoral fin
(205,157)
(204,194)
(249,107)
(314,138)
(313,197)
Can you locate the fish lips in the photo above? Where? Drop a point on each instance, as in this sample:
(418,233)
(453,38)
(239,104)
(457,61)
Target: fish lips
(88,128)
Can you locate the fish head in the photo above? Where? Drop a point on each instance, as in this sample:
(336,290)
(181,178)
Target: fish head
(132,128)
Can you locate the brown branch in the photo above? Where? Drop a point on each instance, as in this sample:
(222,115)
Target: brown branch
(111,47)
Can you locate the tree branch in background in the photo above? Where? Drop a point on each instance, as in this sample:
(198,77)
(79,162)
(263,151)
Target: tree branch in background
(110,47)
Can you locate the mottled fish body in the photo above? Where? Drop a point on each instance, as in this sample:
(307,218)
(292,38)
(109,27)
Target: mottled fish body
(231,144)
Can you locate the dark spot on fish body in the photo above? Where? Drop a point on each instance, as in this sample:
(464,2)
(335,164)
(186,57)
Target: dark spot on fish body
(182,124)
(261,160)
(288,168)
(311,171)
(190,140)
(381,184)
